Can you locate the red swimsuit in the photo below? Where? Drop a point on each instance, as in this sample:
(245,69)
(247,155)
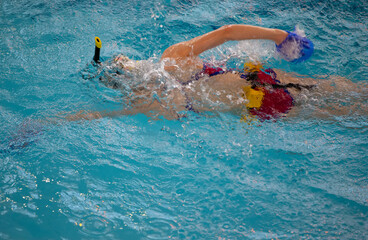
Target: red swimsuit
(276,101)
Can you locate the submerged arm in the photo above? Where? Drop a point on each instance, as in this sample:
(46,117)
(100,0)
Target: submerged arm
(89,115)
(149,110)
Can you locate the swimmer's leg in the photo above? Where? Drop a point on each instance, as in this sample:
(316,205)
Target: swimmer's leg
(339,110)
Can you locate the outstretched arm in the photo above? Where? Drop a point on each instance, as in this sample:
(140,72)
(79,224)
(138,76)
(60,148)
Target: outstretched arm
(197,45)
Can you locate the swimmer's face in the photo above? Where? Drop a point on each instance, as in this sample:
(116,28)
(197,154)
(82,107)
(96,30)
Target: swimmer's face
(124,62)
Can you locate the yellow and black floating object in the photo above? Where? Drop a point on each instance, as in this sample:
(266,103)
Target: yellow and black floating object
(98,45)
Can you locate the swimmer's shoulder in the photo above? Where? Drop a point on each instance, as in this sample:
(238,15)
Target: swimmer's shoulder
(177,51)
(179,57)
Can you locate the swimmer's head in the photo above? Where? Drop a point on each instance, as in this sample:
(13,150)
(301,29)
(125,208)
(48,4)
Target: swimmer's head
(125,63)
(295,48)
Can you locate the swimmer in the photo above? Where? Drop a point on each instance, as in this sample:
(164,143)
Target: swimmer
(253,91)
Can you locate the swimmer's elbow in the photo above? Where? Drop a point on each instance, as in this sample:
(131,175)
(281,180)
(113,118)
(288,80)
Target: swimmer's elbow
(179,50)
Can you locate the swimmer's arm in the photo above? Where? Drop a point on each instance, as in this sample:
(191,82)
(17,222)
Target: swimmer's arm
(198,45)
(88,115)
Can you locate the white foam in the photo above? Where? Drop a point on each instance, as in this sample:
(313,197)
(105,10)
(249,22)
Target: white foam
(299,31)
(234,54)
(255,50)
(291,50)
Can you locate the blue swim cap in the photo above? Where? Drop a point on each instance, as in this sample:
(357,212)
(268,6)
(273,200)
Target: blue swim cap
(295,48)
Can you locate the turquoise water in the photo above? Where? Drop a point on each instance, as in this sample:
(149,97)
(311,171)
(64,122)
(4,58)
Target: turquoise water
(204,177)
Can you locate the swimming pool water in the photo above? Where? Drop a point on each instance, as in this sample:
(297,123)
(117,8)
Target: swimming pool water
(211,177)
